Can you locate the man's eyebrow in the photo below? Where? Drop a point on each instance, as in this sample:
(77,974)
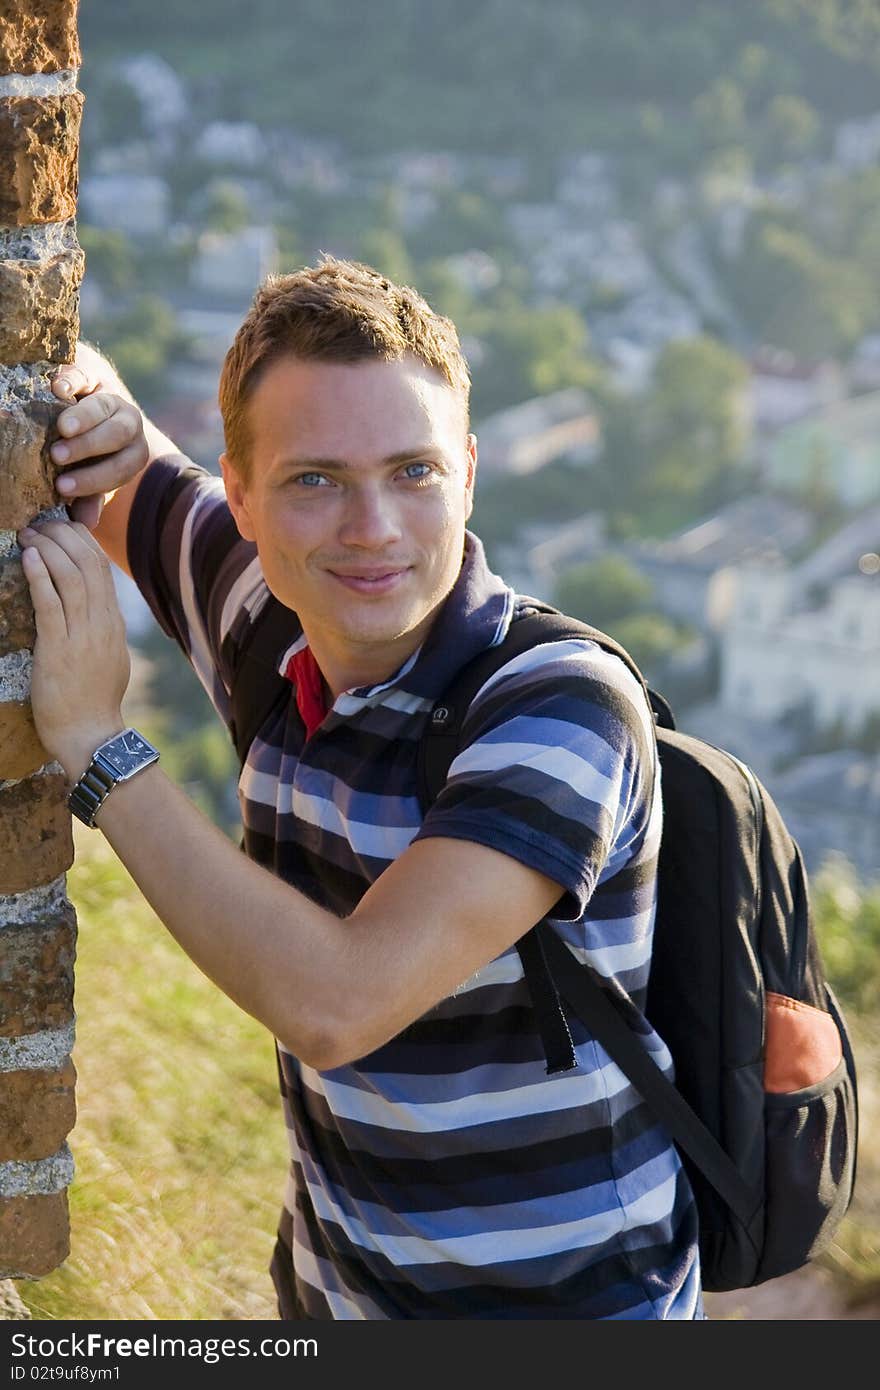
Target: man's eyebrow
(317,465)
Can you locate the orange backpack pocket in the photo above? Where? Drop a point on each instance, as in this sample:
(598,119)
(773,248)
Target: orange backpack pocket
(802,1045)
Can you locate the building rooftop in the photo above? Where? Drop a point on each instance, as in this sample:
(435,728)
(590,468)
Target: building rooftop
(854,421)
(777,362)
(844,779)
(760,526)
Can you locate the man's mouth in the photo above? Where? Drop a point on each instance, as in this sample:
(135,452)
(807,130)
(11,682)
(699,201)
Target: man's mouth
(370,581)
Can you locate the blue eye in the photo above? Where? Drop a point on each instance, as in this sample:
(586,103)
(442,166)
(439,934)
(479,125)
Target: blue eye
(313,479)
(425,466)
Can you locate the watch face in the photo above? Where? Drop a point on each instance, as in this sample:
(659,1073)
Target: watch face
(127,752)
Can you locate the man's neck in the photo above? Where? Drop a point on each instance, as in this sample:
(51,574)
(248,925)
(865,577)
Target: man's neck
(365,665)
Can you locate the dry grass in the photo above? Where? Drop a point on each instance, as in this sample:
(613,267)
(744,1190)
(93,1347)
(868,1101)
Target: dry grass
(179,1142)
(854,1258)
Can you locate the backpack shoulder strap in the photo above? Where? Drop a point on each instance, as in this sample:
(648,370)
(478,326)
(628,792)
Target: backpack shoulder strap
(535,624)
(257,686)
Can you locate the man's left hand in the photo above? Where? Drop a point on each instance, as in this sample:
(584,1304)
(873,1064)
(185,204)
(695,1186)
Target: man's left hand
(81,661)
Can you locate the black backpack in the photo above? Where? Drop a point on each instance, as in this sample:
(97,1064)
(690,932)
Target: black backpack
(772,1174)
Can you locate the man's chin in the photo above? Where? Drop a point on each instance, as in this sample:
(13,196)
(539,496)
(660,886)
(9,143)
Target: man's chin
(378,633)
(377,624)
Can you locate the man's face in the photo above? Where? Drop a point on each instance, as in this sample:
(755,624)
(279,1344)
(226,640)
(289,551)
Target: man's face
(361,482)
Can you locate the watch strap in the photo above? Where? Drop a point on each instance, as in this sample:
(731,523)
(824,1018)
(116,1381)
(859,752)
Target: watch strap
(91,790)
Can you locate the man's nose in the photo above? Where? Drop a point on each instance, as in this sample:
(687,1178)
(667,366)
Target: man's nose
(371,517)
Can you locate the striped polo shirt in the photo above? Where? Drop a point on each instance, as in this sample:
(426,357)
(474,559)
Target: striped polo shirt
(446,1175)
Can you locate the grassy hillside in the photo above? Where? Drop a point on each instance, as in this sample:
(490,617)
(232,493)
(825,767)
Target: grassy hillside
(510,75)
(179,1144)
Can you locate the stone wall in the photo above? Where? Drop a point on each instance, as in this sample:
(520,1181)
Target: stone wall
(41,267)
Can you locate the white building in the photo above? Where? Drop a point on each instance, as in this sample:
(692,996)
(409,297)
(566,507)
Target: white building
(778,655)
(864,366)
(137,204)
(231,265)
(475,271)
(857,143)
(238,143)
(831,804)
(543,551)
(162,95)
(560,425)
(837,447)
(784,390)
(695,573)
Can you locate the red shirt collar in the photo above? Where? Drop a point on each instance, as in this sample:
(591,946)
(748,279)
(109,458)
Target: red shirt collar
(304,673)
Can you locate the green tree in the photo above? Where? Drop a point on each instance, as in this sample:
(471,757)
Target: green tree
(753,68)
(848,925)
(139,341)
(226,208)
(530,352)
(603,591)
(698,391)
(195,747)
(612,595)
(720,113)
(671,454)
(651,639)
(121,110)
(792,126)
(385,249)
(110,257)
(555,492)
(797,297)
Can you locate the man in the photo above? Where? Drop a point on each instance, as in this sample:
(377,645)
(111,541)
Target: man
(437,1170)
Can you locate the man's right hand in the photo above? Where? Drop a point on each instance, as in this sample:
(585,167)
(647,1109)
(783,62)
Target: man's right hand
(103,425)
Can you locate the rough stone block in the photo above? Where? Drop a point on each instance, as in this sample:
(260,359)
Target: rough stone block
(21,751)
(27,473)
(39,308)
(36,974)
(37,1112)
(36,841)
(17,627)
(34,1234)
(39,36)
(39,149)
(12,1309)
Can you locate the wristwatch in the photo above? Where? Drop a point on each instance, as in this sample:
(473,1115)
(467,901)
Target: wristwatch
(114,761)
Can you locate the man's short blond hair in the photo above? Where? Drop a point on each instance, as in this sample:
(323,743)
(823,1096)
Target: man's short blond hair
(336,311)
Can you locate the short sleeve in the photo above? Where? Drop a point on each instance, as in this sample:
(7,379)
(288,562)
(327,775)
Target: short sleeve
(557,768)
(202,581)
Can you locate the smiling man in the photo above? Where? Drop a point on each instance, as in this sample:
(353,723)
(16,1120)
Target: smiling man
(437,1170)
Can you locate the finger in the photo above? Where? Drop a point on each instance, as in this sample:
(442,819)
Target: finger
(83,551)
(105,475)
(72,381)
(48,608)
(89,418)
(74,539)
(87,510)
(67,577)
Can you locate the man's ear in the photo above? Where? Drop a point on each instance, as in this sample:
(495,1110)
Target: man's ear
(471,460)
(236,496)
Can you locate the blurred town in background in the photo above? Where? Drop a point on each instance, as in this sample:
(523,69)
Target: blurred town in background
(657,226)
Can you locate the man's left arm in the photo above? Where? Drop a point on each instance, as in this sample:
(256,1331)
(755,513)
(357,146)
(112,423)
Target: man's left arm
(330,989)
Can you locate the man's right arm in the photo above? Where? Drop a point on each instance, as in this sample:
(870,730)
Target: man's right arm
(104,425)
